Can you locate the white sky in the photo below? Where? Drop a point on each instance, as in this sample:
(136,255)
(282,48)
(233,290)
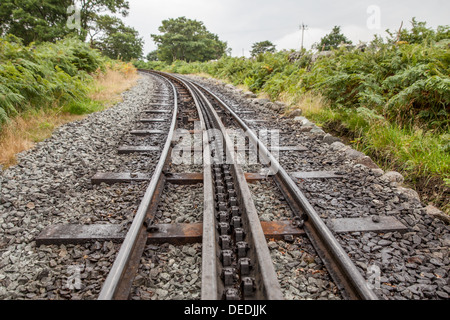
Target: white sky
(243,22)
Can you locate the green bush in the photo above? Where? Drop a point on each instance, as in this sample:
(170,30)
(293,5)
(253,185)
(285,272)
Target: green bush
(392,99)
(82,107)
(407,83)
(38,76)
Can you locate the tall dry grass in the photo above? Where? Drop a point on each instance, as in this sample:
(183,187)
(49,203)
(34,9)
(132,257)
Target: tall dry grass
(22,132)
(110,84)
(308,102)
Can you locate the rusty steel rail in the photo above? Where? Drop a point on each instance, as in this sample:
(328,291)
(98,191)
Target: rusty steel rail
(258,281)
(119,280)
(210,276)
(343,271)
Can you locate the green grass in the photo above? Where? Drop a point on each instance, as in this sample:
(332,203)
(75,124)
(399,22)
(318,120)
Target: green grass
(34,124)
(423,157)
(413,150)
(85,106)
(390,101)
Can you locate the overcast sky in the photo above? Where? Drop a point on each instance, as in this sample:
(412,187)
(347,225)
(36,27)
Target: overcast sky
(243,22)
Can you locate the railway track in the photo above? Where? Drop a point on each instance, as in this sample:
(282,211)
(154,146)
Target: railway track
(67,206)
(236,261)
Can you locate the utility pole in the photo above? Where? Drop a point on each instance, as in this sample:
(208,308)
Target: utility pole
(303,27)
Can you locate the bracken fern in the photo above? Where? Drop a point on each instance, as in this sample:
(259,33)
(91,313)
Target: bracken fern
(36,76)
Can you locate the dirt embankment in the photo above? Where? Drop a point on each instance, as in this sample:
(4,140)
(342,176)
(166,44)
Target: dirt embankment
(432,190)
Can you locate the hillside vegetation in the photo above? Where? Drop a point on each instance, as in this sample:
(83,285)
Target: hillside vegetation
(38,76)
(390,99)
(43,86)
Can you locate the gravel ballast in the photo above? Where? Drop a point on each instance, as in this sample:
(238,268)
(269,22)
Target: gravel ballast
(51,185)
(411,265)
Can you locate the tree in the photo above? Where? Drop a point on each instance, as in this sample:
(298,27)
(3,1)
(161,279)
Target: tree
(35,21)
(46,20)
(419,33)
(332,40)
(90,10)
(116,40)
(188,40)
(152,56)
(262,47)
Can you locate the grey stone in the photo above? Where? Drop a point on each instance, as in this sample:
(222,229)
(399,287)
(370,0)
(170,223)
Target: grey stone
(393,176)
(442,294)
(305,128)
(354,154)
(273,245)
(436,262)
(368,162)
(317,130)
(280,104)
(329,139)
(377,172)
(296,113)
(249,95)
(434,212)
(301,119)
(409,193)
(262,101)
(162,293)
(272,106)
(165,276)
(337,146)
(384,243)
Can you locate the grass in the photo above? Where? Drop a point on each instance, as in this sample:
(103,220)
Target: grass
(421,157)
(29,127)
(309,102)
(23,131)
(109,85)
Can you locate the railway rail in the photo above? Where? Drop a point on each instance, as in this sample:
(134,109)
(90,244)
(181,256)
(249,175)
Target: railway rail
(236,262)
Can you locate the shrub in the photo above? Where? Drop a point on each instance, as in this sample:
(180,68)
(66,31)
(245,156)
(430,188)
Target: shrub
(37,76)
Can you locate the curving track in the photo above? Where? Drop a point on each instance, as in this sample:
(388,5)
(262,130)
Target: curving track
(236,262)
